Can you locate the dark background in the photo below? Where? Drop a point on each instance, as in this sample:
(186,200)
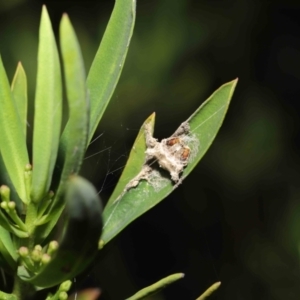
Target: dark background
(235,219)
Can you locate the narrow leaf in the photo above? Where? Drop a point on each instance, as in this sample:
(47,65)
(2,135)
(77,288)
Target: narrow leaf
(7,248)
(209,291)
(19,91)
(109,60)
(156,287)
(206,121)
(146,193)
(11,228)
(48,110)
(13,146)
(74,138)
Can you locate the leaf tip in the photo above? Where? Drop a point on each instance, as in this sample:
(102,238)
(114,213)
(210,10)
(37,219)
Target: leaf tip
(44,9)
(45,14)
(152,117)
(234,83)
(65,18)
(20,68)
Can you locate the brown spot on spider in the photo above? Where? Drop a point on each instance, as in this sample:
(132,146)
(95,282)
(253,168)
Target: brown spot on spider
(185,153)
(173,141)
(178,146)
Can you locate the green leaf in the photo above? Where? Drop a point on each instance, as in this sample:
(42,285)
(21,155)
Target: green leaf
(19,91)
(13,146)
(48,110)
(7,248)
(156,287)
(11,228)
(79,244)
(74,138)
(209,291)
(206,121)
(135,161)
(6,296)
(109,60)
(133,202)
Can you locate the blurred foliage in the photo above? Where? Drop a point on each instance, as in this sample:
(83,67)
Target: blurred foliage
(10,4)
(236,218)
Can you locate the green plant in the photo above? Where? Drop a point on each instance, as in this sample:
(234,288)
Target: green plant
(34,196)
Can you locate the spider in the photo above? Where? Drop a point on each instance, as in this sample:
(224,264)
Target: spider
(184,151)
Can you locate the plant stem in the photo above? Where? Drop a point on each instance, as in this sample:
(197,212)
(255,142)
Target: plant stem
(31,216)
(22,290)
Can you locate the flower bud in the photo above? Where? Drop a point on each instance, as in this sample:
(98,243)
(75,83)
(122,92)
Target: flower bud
(45,259)
(23,251)
(65,286)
